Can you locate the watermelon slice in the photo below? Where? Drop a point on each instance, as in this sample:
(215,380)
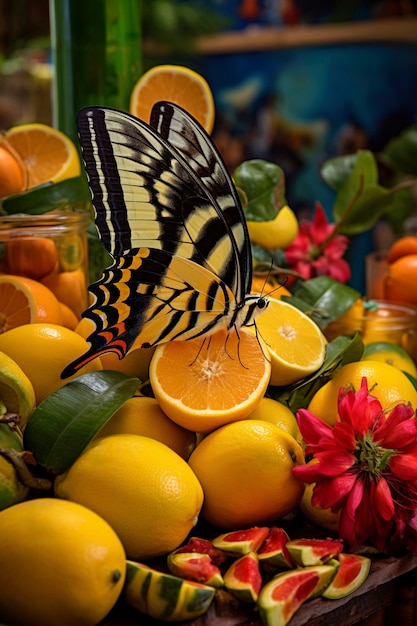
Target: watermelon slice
(203,546)
(285,593)
(165,597)
(243,578)
(242,541)
(274,552)
(351,573)
(306,552)
(195,566)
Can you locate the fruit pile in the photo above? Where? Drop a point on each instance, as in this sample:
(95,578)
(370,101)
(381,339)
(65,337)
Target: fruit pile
(106,478)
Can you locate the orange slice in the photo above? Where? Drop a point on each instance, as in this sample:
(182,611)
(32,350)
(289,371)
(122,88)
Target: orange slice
(24,301)
(177,84)
(203,384)
(296,344)
(47,153)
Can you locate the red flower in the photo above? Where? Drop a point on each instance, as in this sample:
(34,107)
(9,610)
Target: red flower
(317,251)
(367,469)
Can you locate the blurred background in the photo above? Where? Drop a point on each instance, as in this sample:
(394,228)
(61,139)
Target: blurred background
(294,81)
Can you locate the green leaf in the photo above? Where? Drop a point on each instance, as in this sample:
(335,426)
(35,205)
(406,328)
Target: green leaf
(263,186)
(324,299)
(72,192)
(336,170)
(363,175)
(65,422)
(401,152)
(339,352)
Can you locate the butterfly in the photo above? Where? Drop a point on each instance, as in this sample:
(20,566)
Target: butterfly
(168,213)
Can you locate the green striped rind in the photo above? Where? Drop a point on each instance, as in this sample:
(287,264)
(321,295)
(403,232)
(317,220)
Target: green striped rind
(352,572)
(195,566)
(163,596)
(285,593)
(243,578)
(306,552)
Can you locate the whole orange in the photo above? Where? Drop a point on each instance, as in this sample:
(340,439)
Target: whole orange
(12,175)
(33,257)
(400,281)
(402,247)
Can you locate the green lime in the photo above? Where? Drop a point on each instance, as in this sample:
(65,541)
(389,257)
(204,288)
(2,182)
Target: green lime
(390,353)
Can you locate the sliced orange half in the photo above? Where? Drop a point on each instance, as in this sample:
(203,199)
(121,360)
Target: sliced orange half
(47,153)
(296,344)
(177,84)
(202,384)
(24,301)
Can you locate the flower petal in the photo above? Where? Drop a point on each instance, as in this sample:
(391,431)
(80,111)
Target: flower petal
(312,428)
(381,498)
(398,429)
(404,463)
(330,492)
(335,462)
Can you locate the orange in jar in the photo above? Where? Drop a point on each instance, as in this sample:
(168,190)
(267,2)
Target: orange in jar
(34,257)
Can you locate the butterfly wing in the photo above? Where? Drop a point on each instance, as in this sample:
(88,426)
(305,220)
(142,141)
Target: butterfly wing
(168,213)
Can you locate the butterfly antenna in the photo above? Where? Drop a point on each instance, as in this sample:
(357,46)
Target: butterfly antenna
(206,339)
(261,340)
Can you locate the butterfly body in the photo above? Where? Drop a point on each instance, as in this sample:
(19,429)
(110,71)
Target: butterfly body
(168,213)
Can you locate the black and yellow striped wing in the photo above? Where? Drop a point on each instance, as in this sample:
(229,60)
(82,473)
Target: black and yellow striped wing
(168,213)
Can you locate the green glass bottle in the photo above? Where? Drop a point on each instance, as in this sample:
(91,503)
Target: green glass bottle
(96,54)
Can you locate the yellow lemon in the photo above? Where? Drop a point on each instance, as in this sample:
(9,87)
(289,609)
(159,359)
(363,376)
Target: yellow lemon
(143,416)
(295,343)
(276,233)
(392,354)
(42,351)
(315,514)
(61,564)
(16,391)
(275,412)
(387,383)
(245,469)
(11,489)
(146,491)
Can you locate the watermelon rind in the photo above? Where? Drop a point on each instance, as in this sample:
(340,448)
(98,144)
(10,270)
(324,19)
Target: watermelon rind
(163,596)
(273,553)
(352,572)
(282,596)
(243,579)
(195,566)
(240,542)
(307,552)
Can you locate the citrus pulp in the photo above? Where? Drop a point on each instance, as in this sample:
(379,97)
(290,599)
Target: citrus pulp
(177,84)
(202,384)
(295,343)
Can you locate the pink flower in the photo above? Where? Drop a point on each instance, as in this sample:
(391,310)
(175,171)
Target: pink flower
(317,251)
(366,469)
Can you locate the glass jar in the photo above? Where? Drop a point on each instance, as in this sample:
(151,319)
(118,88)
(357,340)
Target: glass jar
(379,320)
(51,249)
